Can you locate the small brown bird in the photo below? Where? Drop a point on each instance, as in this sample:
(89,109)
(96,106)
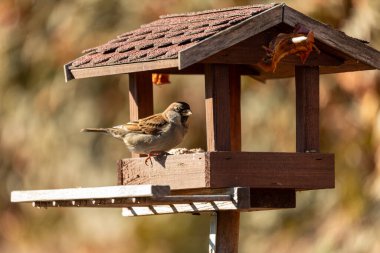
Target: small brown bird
(155,134)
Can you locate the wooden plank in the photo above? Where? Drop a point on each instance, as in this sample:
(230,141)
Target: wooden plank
(231,36)
(123,68)
(133,202)
(217,102)
(307,109)
(91,193)
(334,38)
(168,170)
(228,169)
(140,97)
(142,209)
(272,170)
(238,199)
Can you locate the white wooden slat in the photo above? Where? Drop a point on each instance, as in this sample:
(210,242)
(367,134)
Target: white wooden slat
(240,200)
(122,191)
(180,208)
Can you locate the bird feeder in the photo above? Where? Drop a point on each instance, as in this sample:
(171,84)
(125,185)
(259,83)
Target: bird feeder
(222,45)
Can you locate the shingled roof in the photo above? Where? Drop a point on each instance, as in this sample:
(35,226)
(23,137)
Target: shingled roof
(165,37)
(181,40)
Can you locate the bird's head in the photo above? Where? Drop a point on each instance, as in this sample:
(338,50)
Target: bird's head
(178,112)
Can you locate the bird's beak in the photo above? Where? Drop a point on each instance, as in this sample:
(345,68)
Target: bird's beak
(186,112)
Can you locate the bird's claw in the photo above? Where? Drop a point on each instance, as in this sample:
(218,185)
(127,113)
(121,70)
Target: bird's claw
(150,159)
(154,153)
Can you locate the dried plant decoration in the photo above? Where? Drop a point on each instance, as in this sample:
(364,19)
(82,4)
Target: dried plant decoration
(160,79)
(300,43)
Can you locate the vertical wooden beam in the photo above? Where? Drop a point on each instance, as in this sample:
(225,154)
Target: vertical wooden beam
(140,96)
(307,108)
(227,232)
(223,134)
(235,113)
(217,93)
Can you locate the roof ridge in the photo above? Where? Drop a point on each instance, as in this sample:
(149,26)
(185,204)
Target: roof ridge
(196,13)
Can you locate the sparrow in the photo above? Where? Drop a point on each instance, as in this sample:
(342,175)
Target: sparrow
(152,135)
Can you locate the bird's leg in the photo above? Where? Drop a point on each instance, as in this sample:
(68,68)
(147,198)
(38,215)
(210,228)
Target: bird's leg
(153,153)
(150,159)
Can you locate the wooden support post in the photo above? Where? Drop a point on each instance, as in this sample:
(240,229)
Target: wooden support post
(140,96)
(223,134)
(218,125)
(307,108)
(212,235)
(235,114)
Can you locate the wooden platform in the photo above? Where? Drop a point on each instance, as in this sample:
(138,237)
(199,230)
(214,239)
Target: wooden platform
(139,200)
(301,171)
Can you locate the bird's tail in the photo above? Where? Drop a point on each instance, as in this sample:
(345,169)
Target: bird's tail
(115,132)
(99,130)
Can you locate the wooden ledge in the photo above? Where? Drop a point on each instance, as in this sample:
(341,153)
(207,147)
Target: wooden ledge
(301,171)
(137,200)
(121,191)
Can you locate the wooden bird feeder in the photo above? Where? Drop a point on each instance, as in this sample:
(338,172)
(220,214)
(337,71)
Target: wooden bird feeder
(222,45)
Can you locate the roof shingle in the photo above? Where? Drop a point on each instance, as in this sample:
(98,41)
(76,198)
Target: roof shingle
(165,37)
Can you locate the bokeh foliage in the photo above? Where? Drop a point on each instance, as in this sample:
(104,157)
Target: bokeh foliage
(41,147)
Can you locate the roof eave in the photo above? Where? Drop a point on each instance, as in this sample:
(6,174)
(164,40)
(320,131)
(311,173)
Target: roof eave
(78,73)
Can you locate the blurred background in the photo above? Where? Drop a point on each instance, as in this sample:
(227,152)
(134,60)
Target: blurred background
(41,147)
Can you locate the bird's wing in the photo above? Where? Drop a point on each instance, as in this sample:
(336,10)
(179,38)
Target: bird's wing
(150,125)
(133,126)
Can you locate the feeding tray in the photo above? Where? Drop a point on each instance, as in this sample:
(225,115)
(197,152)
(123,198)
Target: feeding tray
(302,171)
(140,200)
